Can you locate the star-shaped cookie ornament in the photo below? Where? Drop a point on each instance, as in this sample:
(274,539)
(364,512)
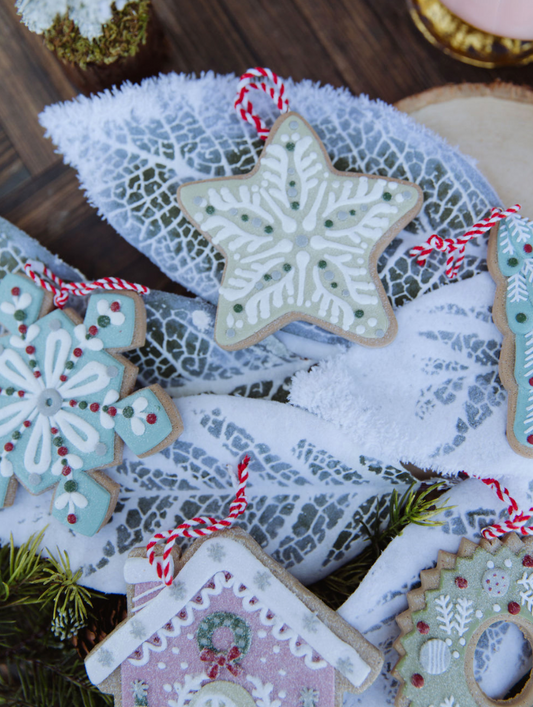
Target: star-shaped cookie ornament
(301,241)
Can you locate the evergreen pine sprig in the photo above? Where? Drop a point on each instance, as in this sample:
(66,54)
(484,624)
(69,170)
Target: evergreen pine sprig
(416,505)
(63,589)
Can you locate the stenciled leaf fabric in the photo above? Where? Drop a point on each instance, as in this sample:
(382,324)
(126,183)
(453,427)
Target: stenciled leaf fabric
(133,148)
(309,490)
(434,396)
(502,655)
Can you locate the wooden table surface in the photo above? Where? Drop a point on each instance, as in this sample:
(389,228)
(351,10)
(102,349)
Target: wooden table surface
(369,46)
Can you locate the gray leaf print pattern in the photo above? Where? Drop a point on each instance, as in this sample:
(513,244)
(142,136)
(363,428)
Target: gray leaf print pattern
(450,379)
(131,165)
(305,503)
(180,354)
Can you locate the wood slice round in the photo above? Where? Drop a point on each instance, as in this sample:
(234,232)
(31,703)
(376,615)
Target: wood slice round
(490,122)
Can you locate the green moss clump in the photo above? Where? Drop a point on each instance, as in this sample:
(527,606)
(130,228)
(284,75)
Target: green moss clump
(121,36)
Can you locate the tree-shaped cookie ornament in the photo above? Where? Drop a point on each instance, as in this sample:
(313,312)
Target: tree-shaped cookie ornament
(458,600)
(510,262)
(301,239)
(63,413)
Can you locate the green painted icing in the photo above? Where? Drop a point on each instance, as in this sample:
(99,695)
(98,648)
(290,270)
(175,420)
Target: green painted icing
(515,262)
(339,220)
(480,590)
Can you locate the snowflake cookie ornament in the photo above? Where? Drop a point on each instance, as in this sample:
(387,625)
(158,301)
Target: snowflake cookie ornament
(221,635)
(63,413)
(301,239)
(458,600)
(510,260)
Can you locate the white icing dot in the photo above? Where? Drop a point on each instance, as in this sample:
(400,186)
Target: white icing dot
(255,187)
(100,449)
(233,212)
(325,175)
(392,186)
(342,215)
(372,321)
(360,261)
(334,319)
(380,333)
(199,217)
(448,641)
(490,564)
(190,636)
(258,285)
(282,694)
(462,641)
(282,673)
(313,154)
(276,275)
(239,324)
(284,138)
(175,650)
(307,302)
(230,319)
(292,191)
(345,293)
(276,649)
(360,329)
(261,633)
(302,241)
(256,222)
(161,666)
(167,688)
(291,170)
(335,184)
(198,200)
(295,137)
(237,256)
(497,608)
(184,666)
(364,207)
(230,333)
(479,614)
(399,197)
(264,183)
(263,659)
(329,275)
(290,300)
(293,125)
(364,245)
(455,654)
(508,563)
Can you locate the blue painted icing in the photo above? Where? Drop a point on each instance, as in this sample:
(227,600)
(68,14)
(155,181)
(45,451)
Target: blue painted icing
(19,308)
(515,261)
(133,415)
(80,488)
(115,328)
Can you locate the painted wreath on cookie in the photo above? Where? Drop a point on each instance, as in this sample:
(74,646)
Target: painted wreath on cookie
(457,602)
(63,413)
(218,659)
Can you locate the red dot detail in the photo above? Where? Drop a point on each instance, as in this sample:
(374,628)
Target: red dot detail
(530,439)
(62,451)
(71,518)
(112,411)
(422,627)
(77,352)
(63,378)
(54,430)
(461,582)
(93,330)
(94,407)
(9,446)
(115,306)
(15,291)
(513,607)
(151,418)
(72,403)
(527,561)
(528,248)
(20,393)
(23,328)
(26,423)
(30,350)
(417,680)
(36,374)
(66,470)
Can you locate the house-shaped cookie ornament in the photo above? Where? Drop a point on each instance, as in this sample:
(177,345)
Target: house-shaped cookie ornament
(233,630)
(66,401)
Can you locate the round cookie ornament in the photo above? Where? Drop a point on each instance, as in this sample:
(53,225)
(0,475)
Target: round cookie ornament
(457,601)
(63,410)
(301,239)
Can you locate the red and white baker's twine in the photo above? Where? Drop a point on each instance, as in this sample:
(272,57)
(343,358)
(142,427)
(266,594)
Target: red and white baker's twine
(244,106)
(455,247)
(165,569)
(517,521)
(50,282)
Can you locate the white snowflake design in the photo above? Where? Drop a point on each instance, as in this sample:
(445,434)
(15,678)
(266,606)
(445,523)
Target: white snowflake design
(60,404)
(311,622)
(262,580)
(301,240)
(309,697)
(216,552)
(177,590)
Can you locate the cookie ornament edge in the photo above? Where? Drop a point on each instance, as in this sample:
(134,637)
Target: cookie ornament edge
(456,572)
